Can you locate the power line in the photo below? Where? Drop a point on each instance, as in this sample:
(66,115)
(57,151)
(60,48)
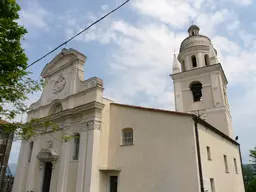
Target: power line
(64,43)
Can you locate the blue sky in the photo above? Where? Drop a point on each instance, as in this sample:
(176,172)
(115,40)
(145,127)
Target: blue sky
(132,50)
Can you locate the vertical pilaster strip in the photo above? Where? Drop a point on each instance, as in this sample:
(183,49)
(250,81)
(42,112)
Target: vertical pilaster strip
(64,162)
(92,156)
(20,178)
(178,97)
(81,159)
(32,179)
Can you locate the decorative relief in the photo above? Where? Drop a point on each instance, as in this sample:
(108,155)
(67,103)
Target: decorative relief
(91,125)
(57,108)
(93,83)
(49,144)
(59,84)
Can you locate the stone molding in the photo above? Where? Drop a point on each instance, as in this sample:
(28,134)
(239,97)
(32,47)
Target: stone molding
(216,68)
(76,110)
(91,125)
(191,50)
(87,85)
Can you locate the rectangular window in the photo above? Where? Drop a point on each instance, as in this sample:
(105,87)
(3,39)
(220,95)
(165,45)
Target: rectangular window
(226,163)
(209,153)
(113,182)
(212,185)
(127,136)
(235,164)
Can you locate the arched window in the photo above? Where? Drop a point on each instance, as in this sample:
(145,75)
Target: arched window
(127,135)
(193,33)
(76,146)
(183,66)
(206,60)
(193,59)
(31,145)
(196,88)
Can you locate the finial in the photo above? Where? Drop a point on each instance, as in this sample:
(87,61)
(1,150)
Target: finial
(174,48)
(213,55)
(175,65)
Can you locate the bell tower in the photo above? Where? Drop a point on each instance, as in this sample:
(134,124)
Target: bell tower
(200,82)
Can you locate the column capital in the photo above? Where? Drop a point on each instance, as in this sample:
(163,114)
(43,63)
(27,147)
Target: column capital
(91,125)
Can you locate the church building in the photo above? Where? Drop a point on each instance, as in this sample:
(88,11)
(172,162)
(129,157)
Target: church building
(125,148)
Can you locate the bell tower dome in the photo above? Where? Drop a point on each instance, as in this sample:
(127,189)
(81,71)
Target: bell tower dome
(200,82)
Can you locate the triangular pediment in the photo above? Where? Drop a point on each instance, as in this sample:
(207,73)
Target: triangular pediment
(47,155)
(62,60)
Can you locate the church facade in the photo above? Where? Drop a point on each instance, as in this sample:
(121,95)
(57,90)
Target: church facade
(123,148)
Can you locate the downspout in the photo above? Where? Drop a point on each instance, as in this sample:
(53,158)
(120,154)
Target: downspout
(241,163)
(199,155)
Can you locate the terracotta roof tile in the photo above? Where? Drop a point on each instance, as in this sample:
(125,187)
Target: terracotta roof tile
(4,122)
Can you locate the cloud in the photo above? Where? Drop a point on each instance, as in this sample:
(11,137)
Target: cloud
(242,2)
(104,7)
(210,21)
(144,58)
(34,16)
(233,25)
(174,12)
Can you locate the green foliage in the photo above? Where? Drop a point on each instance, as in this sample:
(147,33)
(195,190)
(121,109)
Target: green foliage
(253,159)
(250,173)
(251,187)
(15,85)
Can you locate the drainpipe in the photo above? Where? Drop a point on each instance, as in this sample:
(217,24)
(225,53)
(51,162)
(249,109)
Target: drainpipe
(241,162)
(199,155)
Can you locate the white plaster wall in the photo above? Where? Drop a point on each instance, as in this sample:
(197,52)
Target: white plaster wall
(186,56)
(163,157)
(224,182)
(187,96)
(104,138)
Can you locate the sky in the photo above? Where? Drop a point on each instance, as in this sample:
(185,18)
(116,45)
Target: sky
(132,50)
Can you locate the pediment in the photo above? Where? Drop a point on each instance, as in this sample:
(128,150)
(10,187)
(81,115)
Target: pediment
(62,60)
(47,155)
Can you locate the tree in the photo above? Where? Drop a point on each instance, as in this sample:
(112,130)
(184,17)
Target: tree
(248,174)
(253,159)
(15,84)
(251,187)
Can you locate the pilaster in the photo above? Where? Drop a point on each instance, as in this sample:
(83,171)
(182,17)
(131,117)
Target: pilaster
(93,128)
(81,159)
(21,175)
(64,162)
(33,168)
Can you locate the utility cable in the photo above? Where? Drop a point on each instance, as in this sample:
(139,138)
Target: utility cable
(64,43)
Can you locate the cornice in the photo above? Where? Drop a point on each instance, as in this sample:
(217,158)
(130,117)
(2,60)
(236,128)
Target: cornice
(194,49)
(199,71)
(76,110)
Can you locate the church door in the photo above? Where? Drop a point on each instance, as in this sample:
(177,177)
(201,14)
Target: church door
(113,183)
(47,177)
